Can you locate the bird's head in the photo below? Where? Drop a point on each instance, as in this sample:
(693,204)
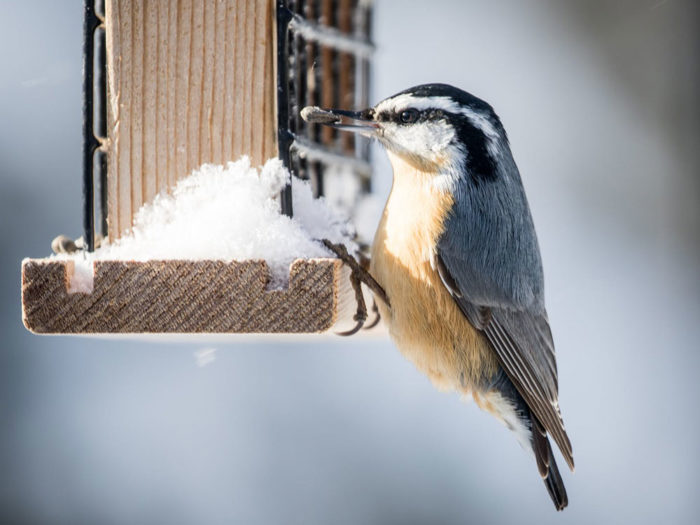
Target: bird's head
(436,128)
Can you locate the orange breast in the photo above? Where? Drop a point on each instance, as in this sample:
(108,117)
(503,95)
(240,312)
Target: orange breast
(425,322)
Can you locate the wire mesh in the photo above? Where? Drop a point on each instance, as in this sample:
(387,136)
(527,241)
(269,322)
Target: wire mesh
(324,54)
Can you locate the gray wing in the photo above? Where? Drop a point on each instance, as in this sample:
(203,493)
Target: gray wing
(520,336)
(489,259)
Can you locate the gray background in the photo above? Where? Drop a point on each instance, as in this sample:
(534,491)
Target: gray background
(600,101)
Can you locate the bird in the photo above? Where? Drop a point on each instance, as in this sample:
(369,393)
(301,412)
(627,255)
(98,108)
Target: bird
(457,256)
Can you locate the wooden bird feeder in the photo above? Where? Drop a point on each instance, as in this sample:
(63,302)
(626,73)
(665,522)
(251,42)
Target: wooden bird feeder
(169,86)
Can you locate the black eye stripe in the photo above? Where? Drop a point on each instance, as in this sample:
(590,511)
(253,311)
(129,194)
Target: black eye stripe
(425,115)
(384,116)
(480,163)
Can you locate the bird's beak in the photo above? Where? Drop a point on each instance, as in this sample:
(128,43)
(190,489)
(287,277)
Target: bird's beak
(356,121)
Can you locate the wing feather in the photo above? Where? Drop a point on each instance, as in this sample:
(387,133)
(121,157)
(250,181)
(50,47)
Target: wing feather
(523,343)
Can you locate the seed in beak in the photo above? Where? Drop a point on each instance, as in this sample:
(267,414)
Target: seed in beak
(316,115)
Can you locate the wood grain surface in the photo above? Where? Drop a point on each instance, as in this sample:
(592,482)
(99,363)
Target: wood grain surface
(188,82)
(186,297)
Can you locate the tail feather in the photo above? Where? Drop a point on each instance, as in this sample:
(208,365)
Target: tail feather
(540,446)
(555,487)
(530,432)
(548,466)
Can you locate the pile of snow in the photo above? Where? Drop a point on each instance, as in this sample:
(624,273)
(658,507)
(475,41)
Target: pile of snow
(227,213)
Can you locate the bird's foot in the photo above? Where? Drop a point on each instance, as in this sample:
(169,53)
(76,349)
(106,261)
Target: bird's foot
(359,274)
(364,263)
(377,316)
(361,314)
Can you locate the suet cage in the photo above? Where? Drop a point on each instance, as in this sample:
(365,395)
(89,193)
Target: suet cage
(169,86)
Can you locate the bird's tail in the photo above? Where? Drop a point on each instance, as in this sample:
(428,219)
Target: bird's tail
(504,401)
(548,466)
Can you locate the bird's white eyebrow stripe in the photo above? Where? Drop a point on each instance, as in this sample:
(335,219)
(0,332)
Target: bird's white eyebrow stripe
(403,101)
(445,103)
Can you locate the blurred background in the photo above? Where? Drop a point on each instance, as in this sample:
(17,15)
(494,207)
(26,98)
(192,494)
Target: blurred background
(600,101)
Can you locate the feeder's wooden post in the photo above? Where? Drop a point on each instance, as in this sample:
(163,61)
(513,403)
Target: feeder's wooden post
(189,82)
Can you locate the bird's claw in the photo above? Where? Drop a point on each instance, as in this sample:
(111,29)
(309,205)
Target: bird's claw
(352,331)
(358,275)
(361,314)
(365,277)
(377,316)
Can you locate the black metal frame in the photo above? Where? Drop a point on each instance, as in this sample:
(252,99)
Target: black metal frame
(94,119)
(284,135)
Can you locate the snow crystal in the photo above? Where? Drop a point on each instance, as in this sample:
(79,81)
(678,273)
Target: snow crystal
(226,213)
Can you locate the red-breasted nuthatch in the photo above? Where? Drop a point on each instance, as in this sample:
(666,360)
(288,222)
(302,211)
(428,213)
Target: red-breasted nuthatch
(457,255)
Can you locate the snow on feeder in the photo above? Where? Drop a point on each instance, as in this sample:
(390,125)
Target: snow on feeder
(181,232)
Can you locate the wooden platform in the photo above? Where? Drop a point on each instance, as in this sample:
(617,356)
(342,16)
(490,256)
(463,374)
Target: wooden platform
(186,297)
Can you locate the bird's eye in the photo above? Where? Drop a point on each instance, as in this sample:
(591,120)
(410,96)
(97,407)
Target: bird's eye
(409,116)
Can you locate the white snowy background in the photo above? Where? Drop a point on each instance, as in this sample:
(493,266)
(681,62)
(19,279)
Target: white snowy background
(600,102)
